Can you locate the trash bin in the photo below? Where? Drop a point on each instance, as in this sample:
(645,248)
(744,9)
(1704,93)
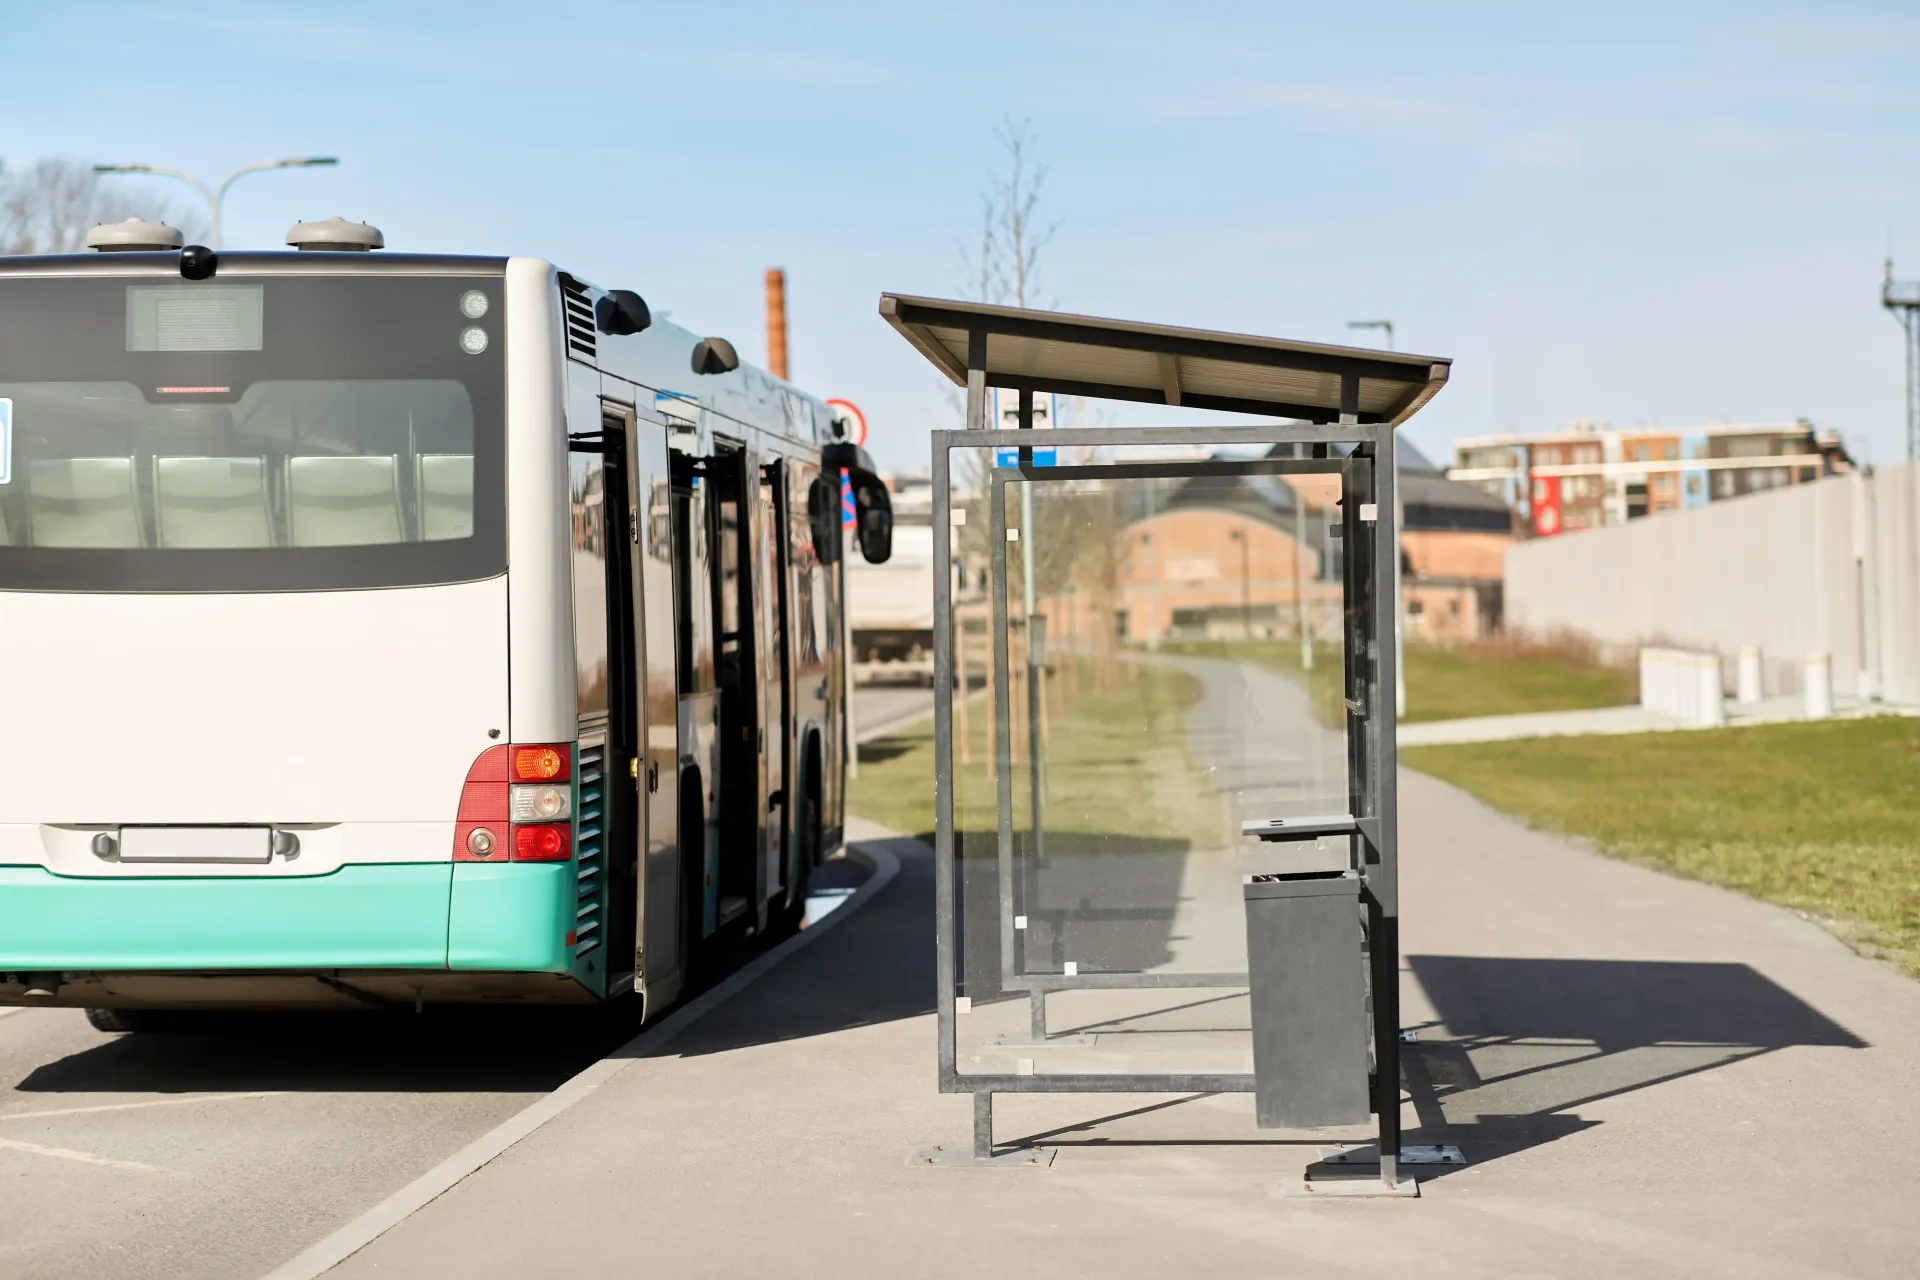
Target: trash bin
(1307,980)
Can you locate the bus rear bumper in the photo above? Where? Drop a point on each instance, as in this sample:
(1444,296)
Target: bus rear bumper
(426,916)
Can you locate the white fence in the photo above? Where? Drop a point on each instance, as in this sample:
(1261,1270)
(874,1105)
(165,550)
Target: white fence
(1831,567)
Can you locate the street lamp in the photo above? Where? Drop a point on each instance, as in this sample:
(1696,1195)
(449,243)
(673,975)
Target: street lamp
(1374,324)
(214,197)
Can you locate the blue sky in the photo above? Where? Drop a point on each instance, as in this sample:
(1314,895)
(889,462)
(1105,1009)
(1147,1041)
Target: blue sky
(1668,213)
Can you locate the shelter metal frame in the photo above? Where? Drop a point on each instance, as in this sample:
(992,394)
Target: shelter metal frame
(1348,396)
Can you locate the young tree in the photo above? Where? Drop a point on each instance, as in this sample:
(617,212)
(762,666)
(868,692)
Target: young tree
(50,206)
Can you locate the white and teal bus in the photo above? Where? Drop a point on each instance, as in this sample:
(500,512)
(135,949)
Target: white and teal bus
(388,629)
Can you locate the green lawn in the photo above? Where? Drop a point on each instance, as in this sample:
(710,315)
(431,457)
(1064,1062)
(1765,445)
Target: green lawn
(1446,684)
(1822,817)
(1118,763)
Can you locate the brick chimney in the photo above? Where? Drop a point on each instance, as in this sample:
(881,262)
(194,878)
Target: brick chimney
(777,321)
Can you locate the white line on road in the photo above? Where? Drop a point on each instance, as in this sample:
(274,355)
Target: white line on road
(449,1173)
(135,1106)
(84,1157)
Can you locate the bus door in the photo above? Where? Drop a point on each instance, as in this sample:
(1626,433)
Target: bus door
(741,791)
(776,701)
(655,770)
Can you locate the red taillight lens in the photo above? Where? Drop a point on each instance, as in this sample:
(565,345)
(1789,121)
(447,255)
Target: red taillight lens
(542,844)
(541,764)
(483,806)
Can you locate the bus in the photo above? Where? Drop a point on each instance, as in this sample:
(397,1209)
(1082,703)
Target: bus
(385,629)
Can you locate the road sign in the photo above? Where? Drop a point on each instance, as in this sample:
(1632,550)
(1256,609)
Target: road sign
(1006,409)
(856,422)
(1011,457)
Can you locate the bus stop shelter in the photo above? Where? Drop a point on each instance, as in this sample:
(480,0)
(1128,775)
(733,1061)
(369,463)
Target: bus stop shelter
(1165,833)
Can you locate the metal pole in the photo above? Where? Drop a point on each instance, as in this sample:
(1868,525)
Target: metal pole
(1299,579)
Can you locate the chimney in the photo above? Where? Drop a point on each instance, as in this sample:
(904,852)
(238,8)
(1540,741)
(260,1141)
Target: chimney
(777,321)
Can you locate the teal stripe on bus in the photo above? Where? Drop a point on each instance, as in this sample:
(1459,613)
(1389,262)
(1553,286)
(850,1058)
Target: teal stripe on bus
(511,917)
(390,915)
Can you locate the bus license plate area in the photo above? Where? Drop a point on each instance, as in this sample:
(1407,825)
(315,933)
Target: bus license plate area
(196,844)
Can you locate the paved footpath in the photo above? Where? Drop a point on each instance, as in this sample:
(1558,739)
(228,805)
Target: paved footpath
(1651,1078)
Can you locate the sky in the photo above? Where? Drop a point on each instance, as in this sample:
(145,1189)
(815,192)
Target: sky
(1669,213)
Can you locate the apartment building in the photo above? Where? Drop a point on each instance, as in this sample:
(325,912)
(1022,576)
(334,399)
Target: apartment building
(1593,474)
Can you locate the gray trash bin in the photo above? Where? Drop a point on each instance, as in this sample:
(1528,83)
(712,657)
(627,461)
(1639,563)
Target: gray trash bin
(1307,978)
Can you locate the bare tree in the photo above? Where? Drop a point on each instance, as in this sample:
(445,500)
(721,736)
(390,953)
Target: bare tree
(50,206)
(1012,233)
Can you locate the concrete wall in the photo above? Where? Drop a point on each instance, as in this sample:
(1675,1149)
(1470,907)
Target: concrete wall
(1832,566)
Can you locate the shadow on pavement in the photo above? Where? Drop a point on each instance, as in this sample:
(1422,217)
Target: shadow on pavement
(1519,1044)
(486,1050)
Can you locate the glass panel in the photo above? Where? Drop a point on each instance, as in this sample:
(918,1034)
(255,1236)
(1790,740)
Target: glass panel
(278,434)
(1145,662)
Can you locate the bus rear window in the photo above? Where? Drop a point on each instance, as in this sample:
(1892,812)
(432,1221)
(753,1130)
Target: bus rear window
(197,469)
(288,464)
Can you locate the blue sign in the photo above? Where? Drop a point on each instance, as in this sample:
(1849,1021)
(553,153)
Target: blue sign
(6,440)
(1042,457)
(847,510)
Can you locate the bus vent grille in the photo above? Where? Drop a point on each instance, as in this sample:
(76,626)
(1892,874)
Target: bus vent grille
(590,863)
(582,342)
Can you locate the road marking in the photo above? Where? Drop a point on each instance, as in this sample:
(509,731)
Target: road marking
(84,1157)
(135,1106)
(335,1249)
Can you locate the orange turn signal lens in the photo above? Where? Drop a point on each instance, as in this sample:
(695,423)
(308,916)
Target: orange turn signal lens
(540,764)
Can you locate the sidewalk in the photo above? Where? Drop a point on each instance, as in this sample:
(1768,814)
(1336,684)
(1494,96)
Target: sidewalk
(1628,719)
(1651,1078)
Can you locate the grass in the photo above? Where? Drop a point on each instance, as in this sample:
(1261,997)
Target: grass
(1820,817)
(1117,765)
(1489,679)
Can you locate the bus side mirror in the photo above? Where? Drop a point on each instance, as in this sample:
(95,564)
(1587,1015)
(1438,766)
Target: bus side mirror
(873,519)
(823,518)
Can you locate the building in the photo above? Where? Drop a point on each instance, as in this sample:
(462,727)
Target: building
(1222,558)
(1592,474)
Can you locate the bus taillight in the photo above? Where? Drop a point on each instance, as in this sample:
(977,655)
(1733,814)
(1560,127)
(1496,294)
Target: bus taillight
(480,828)
(547,842)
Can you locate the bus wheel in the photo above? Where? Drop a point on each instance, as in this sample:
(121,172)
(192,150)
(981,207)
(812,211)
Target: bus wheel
(119,1020)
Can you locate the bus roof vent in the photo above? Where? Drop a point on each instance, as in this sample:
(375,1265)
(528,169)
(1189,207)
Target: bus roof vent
(581,342)
(135,235)
(335,235)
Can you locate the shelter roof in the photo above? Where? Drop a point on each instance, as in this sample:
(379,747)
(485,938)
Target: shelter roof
(1053,351)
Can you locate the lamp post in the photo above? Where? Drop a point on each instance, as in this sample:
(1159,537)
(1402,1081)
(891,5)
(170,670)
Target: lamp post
(1399,594)
(1374,324)
(213,196)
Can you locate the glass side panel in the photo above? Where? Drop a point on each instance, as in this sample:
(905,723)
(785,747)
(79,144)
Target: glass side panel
(1144,663)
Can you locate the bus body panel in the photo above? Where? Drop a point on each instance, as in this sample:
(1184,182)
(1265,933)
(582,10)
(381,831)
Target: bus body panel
(262,708)
(511,916)
(540,630)
(392,916)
